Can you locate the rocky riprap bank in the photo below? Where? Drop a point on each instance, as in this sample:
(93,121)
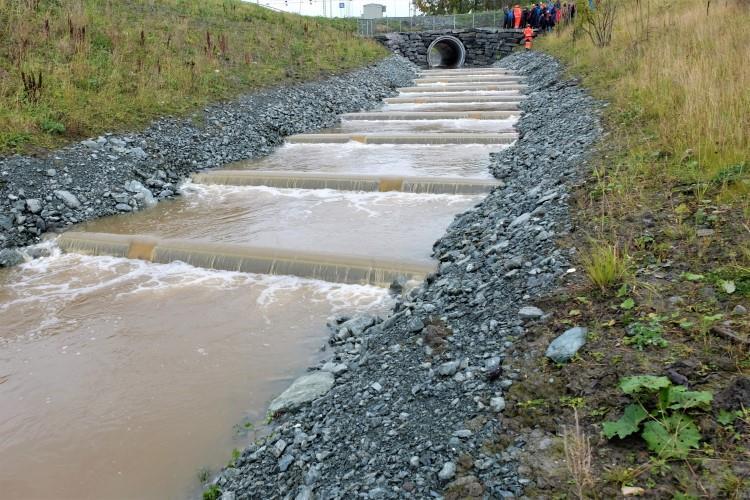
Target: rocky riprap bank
(123,173)
(414,403)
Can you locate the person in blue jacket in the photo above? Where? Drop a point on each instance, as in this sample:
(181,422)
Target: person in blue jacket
(536,16)
(552,17)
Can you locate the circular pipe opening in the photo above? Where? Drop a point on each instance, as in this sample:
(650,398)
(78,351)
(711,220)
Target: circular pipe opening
(446,52)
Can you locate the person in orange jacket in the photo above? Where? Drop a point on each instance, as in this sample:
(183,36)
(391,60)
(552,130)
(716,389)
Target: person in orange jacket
(528,35)
(517,13)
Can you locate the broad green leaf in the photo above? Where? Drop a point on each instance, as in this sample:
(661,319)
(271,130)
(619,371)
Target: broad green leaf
(672,437)
(623,290)
(692,276)
(728,286)
(627,424)
(726,417)
(712,318)
(680,398)
(631,385)
(686,325)
(627,304)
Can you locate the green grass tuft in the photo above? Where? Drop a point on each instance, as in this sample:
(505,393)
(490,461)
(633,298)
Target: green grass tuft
(605,265)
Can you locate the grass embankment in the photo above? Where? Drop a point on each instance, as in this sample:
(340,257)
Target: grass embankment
(98,65)
(664,240)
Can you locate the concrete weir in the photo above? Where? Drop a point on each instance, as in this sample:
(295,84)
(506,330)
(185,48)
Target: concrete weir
(445,138)
(461,83)
(467,71)
(431,115)
(480,87)
(468,79)
(313,265)
(347,182)
(452,97)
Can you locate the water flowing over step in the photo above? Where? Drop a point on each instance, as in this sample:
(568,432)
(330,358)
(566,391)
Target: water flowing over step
(460,88)
(456,98)
(344,182)
(460,83)
(467,79)
(467,71)
(313,265)
(430,115)
(446,138)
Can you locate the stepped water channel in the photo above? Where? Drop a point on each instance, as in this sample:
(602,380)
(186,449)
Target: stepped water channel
(132,357)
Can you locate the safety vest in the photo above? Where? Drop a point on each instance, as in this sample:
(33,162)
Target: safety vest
(528,33)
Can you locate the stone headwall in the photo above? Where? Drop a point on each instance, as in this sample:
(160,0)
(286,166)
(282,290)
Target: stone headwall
(483,46)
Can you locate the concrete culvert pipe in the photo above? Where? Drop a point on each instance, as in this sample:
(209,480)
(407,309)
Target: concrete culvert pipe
(446,52)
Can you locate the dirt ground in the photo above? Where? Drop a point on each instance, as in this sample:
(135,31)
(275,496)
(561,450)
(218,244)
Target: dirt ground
(680,313)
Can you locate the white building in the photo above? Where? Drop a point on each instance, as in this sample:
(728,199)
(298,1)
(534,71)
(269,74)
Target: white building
(373,11)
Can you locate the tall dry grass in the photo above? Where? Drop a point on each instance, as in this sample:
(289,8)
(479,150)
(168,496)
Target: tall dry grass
(110,64)
(678,81)
(578,456)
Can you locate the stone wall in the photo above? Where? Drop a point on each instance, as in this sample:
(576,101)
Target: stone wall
(483,46)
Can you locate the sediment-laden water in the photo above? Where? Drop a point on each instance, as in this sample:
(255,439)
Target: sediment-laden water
(126,377)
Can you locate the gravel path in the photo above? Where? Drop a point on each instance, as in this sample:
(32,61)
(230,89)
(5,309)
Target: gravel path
(418,397)
(123,173)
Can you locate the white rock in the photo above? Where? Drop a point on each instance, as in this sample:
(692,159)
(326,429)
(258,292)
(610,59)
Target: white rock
(68,198)
(303,390)
(497,403)
(449,368)
(33,205)
(530,312)
(521,219)
(448,471)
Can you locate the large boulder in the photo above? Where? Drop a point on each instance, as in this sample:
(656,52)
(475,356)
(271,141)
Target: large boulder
(564,347)
(303,390)
(10,257)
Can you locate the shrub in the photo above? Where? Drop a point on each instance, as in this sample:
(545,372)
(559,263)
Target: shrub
(52,127)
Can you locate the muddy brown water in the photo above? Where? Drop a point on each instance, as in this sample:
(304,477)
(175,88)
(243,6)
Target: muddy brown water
(121,378)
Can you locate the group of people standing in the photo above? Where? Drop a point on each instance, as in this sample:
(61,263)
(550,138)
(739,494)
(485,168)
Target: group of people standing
(539,16)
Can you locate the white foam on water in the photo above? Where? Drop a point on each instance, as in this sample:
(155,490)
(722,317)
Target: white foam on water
(364,201)
(462,93)
(432,148)
(455,160)
(452,106)
(446,124)
(49,284)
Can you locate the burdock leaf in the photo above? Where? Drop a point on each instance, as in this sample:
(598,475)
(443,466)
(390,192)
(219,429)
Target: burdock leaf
(672,437)
(631,385)
(681,398)
(627,424)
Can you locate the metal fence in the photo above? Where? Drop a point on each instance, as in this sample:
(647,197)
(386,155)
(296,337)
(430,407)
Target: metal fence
(372,27)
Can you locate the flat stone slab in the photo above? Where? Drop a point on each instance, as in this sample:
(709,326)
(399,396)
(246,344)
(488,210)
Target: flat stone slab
(303,390)
(530,312)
